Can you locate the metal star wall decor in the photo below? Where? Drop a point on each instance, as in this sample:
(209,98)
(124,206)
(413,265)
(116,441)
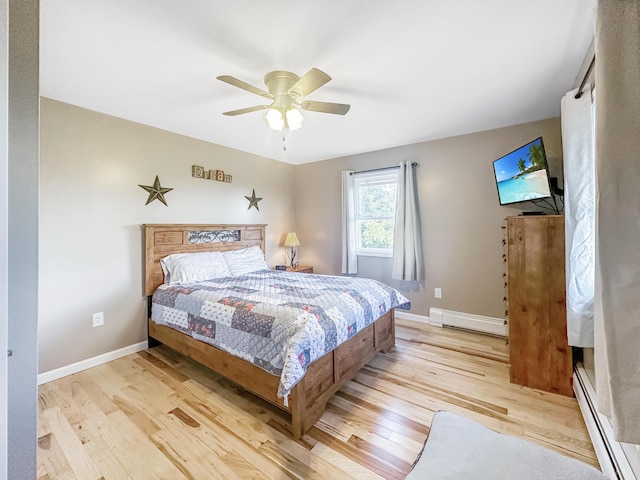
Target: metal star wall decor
(156,192)
(253,200)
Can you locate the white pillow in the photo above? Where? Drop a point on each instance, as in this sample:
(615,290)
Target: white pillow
(247,260)
(193,267)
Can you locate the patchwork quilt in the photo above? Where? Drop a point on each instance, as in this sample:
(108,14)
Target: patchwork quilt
(279,321)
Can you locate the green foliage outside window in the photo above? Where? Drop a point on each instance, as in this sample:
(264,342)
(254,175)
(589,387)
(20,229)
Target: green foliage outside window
(376,234)
(378,200)
(377,204)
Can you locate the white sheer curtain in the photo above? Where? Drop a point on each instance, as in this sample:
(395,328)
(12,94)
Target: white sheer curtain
(349,257)
(579,214)
(408,260)
(617,299)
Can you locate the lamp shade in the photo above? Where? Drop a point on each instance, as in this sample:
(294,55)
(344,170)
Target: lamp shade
(292,240)
(274,118)
(295,120)
(281,118)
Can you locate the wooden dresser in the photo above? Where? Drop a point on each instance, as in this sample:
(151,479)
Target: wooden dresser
(539,353)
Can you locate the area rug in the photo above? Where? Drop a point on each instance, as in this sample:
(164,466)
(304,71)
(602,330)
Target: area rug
(460,449)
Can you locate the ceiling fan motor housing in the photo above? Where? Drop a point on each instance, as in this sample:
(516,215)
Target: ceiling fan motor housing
(278,83)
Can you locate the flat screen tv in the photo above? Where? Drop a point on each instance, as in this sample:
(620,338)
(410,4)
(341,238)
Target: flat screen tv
(523,174)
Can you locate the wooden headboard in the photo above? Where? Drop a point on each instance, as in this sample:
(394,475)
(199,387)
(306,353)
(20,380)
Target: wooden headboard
(163,240)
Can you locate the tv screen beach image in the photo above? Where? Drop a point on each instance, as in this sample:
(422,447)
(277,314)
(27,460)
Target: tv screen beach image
(522,174)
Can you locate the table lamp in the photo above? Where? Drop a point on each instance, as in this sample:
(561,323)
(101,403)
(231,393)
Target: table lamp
(292,241)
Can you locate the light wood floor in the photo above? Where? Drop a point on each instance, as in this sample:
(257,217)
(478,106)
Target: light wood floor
(156,414)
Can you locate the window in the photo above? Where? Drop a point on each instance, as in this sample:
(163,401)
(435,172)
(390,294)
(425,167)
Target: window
(375,204)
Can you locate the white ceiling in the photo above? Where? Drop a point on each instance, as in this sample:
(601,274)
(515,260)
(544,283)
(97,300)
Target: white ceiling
(412,70)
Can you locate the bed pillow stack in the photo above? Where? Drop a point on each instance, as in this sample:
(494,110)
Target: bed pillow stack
(193,267)
(247,260)
(197,267)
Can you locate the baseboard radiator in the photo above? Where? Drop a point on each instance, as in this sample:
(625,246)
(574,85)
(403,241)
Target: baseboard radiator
(469,321)
(613,461)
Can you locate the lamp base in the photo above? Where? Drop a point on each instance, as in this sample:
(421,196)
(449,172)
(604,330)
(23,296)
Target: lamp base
(292,258)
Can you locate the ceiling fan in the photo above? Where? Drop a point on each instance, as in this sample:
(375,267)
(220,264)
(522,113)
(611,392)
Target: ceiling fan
(287,92)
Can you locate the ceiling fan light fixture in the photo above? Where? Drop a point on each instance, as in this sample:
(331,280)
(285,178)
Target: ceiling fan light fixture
(287,91)
(274,119)
(280,119)
(294,117)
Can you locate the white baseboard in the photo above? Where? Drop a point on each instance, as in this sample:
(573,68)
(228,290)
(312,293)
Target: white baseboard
(91,362)
(613,461)
(437,317)
(469,321)
(404,315)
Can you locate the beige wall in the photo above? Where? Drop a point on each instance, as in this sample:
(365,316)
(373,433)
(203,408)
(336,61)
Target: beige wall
(461,218)
(92,210)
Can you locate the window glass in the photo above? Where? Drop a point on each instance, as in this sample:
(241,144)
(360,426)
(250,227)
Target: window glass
(375,196)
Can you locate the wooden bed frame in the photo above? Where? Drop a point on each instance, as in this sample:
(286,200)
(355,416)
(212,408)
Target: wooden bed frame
(324,377)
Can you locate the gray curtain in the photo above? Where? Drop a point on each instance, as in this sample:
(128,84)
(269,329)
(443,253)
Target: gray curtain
(617,299)
(579,214)
(408,260)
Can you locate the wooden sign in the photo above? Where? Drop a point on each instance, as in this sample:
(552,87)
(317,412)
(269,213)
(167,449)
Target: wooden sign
(199,172)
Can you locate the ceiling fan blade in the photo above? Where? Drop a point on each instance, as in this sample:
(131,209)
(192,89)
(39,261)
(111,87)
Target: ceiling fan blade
(309,82)
(244,85)
(325,107)
(233,113)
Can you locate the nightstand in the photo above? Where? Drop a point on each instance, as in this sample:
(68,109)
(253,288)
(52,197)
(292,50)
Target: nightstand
(301,269)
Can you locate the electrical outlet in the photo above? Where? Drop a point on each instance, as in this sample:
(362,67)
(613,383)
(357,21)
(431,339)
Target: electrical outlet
(98,319)
(438,292)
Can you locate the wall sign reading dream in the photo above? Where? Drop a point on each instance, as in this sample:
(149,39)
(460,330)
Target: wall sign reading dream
(199,172)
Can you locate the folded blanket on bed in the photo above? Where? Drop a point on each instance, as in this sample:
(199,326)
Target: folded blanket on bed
(279,321)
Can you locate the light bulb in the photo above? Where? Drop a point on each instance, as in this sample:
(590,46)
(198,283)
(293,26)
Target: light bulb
(295,120)
(274,119)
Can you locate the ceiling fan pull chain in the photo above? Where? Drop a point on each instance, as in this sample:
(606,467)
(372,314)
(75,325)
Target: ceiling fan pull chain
(284,143)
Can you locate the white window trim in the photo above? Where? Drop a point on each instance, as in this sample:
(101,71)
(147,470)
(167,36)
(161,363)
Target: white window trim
(374,252)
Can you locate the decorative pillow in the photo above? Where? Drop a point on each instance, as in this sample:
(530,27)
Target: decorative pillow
(193,267)
(247,260)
